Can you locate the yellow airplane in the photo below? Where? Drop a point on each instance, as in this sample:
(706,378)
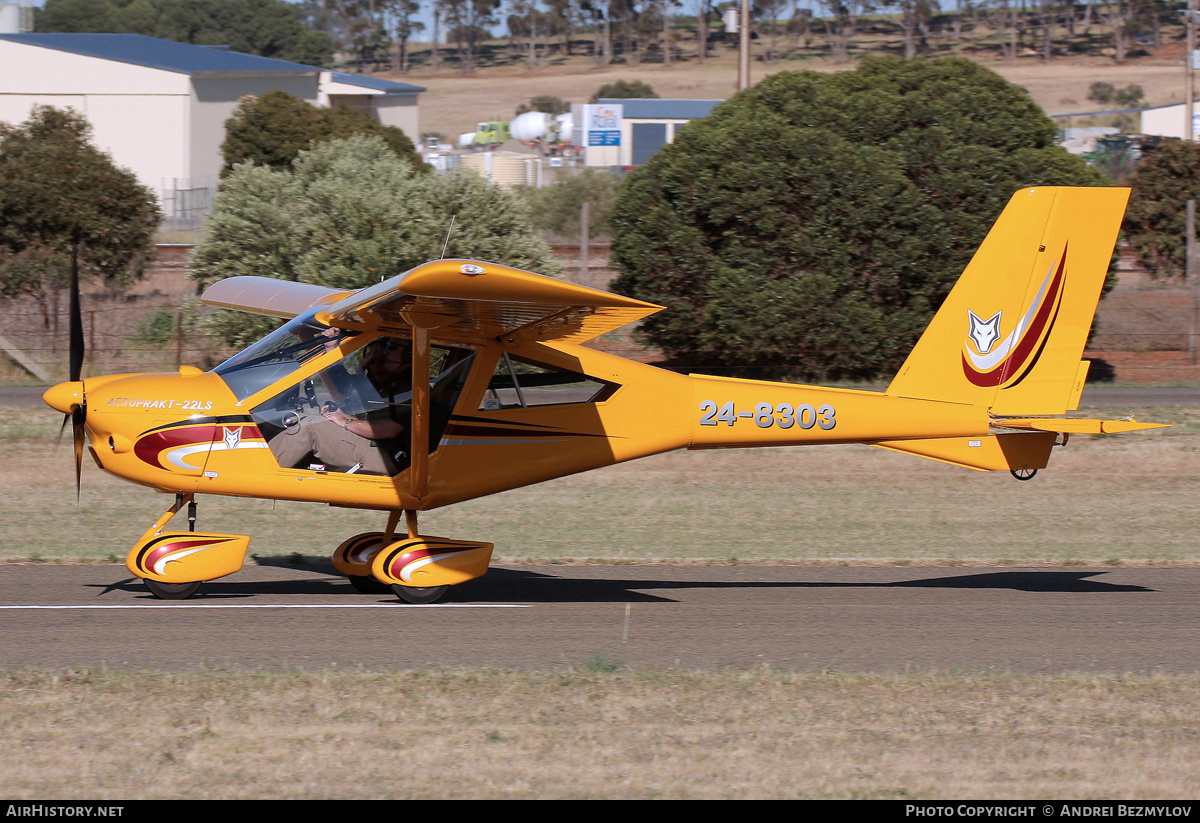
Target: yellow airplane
(462,378)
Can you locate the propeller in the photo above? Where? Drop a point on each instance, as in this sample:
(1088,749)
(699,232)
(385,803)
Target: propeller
(78,411)
(69,397)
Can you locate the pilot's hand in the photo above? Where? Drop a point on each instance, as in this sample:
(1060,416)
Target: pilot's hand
(333,414)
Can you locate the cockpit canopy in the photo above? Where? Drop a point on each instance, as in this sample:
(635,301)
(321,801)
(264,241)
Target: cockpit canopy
(279,354)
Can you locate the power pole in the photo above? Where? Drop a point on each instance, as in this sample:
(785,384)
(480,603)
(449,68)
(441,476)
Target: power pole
(1189,74)
(744,46)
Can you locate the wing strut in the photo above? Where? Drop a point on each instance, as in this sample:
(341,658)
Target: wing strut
(418,475)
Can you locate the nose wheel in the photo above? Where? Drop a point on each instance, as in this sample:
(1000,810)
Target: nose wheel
(419,596)
(172,591)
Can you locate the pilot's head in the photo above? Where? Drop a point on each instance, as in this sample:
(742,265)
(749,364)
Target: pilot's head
(386,359)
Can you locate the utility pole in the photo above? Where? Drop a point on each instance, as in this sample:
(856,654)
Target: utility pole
(1189,73)
(735,19)
(744,46)
(532,34)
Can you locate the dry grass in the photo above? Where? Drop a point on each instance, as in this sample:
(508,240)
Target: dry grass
(593,734)
(1116,500)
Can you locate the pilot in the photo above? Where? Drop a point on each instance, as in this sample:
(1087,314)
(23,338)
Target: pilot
(371,443)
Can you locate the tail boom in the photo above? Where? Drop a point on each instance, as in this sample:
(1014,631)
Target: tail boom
(732,413)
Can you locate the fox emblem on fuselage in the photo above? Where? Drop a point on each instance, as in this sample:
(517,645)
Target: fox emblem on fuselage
(985,333)
(233,438)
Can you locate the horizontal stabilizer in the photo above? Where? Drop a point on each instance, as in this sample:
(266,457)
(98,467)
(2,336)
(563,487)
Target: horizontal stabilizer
(1077,426)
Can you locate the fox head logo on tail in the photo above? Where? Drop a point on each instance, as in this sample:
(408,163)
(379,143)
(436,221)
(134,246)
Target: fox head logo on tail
(985,333)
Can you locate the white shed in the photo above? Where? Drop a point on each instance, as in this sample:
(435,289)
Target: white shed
(1167,121)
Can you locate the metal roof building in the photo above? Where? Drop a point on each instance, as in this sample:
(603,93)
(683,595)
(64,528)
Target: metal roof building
(648,124)
(159,107)
(394,104)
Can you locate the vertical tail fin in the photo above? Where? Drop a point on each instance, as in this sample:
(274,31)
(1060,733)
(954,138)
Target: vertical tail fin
(1011,333)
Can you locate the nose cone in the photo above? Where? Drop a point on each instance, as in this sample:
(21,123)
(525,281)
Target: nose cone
(63,396)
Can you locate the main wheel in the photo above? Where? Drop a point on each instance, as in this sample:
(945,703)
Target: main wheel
(172,591)
(368,584)
(419,595)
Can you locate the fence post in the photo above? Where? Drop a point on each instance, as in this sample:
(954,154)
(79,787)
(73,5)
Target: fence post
(584,242)
(1190,276)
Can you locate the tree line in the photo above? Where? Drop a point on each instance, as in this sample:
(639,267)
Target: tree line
(819,250)
(374,33)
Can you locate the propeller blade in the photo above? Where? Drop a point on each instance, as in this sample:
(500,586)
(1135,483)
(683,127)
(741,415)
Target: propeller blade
(77,417)
(77,347)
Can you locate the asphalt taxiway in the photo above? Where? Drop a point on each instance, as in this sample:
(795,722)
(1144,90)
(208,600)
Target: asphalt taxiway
(877,619)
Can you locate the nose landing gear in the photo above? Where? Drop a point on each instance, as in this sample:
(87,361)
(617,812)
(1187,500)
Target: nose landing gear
(174,564)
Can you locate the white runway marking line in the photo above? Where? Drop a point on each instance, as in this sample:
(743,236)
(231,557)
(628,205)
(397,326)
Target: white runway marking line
(281,606)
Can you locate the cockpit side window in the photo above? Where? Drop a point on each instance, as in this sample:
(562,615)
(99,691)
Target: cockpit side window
(521,383)
(355,415)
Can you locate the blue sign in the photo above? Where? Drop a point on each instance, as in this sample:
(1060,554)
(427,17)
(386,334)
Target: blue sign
(604,138)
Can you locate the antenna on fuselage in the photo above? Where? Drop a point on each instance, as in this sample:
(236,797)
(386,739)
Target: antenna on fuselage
(446,245)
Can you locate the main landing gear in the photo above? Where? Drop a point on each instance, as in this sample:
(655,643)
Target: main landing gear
(417,569)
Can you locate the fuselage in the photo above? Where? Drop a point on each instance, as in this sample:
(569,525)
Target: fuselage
(512,414)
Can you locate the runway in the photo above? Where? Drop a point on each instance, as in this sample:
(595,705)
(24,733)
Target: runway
(854,619)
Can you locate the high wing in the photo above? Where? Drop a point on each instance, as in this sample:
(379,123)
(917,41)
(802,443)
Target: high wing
(269,296)
(467,300)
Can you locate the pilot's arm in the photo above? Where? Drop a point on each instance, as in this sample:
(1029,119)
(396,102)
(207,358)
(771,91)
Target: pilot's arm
(376,429)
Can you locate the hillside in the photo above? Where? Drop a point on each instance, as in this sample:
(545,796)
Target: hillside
(455,101)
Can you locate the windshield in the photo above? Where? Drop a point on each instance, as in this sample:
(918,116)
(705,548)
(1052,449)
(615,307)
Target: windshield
(278,354)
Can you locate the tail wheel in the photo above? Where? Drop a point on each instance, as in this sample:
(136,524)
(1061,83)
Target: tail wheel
(172,591)
(419,595)
(1023,473)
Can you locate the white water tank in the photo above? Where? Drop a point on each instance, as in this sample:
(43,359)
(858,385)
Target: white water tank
(566,125)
